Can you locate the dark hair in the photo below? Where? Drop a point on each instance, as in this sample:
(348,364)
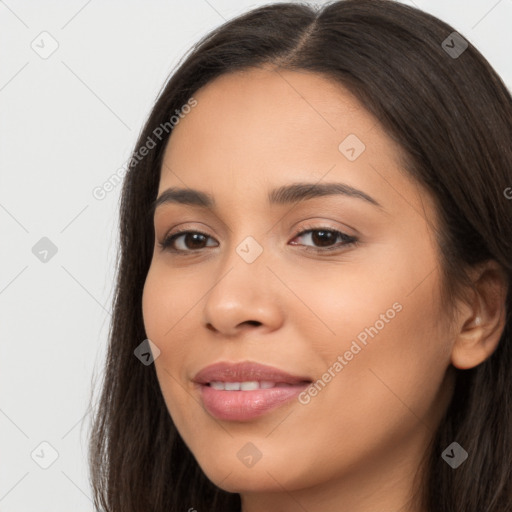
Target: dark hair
(452,117)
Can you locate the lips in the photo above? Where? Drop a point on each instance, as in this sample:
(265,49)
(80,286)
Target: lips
(244,391)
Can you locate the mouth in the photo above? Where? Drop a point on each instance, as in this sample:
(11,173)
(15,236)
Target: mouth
(245,391)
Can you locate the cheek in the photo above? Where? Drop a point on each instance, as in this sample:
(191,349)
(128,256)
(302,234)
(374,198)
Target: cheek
(394,352)
(165,310)
(159,307)
(394,358)
(154,301)
(166,302)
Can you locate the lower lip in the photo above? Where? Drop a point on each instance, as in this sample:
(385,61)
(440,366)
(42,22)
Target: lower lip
(246,405)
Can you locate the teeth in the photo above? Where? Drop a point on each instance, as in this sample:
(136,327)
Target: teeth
(242,386)
(249,386)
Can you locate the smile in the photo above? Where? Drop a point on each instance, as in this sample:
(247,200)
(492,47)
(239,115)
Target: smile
(242,391)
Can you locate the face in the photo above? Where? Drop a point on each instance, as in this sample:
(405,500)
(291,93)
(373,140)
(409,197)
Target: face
(340,289)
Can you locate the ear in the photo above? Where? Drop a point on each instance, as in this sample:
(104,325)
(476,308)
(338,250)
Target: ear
(482,319)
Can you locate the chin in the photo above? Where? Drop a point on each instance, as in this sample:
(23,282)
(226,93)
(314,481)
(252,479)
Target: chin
(244,481)
(269,474)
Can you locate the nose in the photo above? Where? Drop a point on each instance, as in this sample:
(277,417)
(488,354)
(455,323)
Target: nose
(243,297)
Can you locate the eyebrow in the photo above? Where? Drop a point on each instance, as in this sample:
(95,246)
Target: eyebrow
(279,196)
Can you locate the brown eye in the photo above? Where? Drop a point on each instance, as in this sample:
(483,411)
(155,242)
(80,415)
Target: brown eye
(191,241)
(323,238)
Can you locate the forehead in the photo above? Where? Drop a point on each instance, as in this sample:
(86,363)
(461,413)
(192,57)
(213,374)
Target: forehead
(278,107)
(258,129)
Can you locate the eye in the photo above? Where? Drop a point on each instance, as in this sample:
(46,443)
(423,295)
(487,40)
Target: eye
(195,238)
(193,241)
(324,236)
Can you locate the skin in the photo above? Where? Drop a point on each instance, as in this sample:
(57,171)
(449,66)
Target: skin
(357,444)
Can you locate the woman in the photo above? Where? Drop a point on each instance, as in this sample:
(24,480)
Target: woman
(313,300)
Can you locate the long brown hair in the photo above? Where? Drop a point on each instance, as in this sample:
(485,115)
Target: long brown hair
(452,116)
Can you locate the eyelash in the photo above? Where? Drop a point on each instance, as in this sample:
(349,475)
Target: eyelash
(347,240)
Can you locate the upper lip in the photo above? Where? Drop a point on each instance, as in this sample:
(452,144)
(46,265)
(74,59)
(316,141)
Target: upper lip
(244,372)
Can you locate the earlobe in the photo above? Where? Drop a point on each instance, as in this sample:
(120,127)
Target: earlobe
(482,324)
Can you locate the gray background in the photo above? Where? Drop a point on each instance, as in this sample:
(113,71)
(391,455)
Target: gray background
(67,123)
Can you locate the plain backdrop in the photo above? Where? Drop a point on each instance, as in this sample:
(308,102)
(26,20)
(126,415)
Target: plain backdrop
(68,121)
